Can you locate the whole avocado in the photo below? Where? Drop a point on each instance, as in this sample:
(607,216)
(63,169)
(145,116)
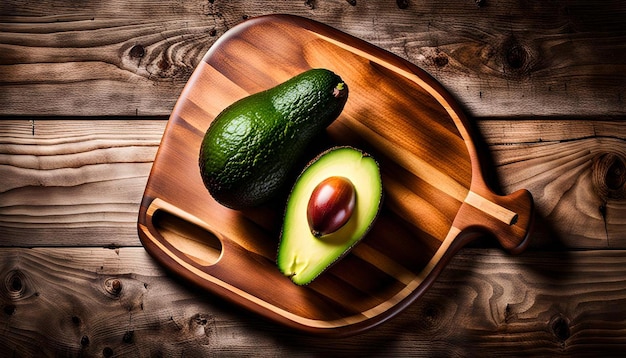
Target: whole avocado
(251,146)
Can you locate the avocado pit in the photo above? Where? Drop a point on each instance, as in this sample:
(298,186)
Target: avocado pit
(331,205)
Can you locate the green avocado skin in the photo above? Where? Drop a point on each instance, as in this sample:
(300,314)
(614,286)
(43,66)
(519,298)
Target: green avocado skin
(251,146)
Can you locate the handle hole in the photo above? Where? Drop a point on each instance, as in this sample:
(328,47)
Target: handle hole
(198,244)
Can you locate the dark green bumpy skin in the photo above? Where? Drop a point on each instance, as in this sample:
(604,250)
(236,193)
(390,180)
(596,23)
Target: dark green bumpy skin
(252,145)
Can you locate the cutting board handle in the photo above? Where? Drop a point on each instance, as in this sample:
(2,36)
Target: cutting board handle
(509,218)
(193,239)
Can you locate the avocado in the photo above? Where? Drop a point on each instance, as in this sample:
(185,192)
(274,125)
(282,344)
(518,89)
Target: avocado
(252,145)
(342,181)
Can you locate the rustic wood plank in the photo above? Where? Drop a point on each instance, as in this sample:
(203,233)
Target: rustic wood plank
(79,182)
(102,301)
(503,58)
(576,171)
(74,182)
(521,61)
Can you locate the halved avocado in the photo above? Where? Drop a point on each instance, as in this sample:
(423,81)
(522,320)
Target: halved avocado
(302,255)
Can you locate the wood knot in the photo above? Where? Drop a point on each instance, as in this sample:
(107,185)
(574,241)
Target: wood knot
(608,174)
(113,286)
(202,324)
(16,285)
(559,326)
(431,317)
(128,337)
(441,60)
(402,4)
(351,2)
(107,352)
(517,58)
(137,51)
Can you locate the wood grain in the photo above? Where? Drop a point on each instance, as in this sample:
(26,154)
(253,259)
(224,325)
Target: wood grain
(535,76)
(96,301)
(506,57)
(62,203)
(74,182)
(575,170)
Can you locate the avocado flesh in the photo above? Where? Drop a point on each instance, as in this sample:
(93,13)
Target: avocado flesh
(251,146)
(301,255)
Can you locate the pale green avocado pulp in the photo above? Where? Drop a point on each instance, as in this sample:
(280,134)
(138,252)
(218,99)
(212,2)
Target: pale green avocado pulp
(301,255)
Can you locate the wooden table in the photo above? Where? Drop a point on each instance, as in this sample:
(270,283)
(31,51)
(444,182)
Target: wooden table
(85,96)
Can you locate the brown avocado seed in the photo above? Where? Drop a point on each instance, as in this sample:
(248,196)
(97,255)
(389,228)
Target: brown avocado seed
(331,205)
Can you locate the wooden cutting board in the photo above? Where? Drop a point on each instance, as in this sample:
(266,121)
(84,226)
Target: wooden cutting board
(435,197)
